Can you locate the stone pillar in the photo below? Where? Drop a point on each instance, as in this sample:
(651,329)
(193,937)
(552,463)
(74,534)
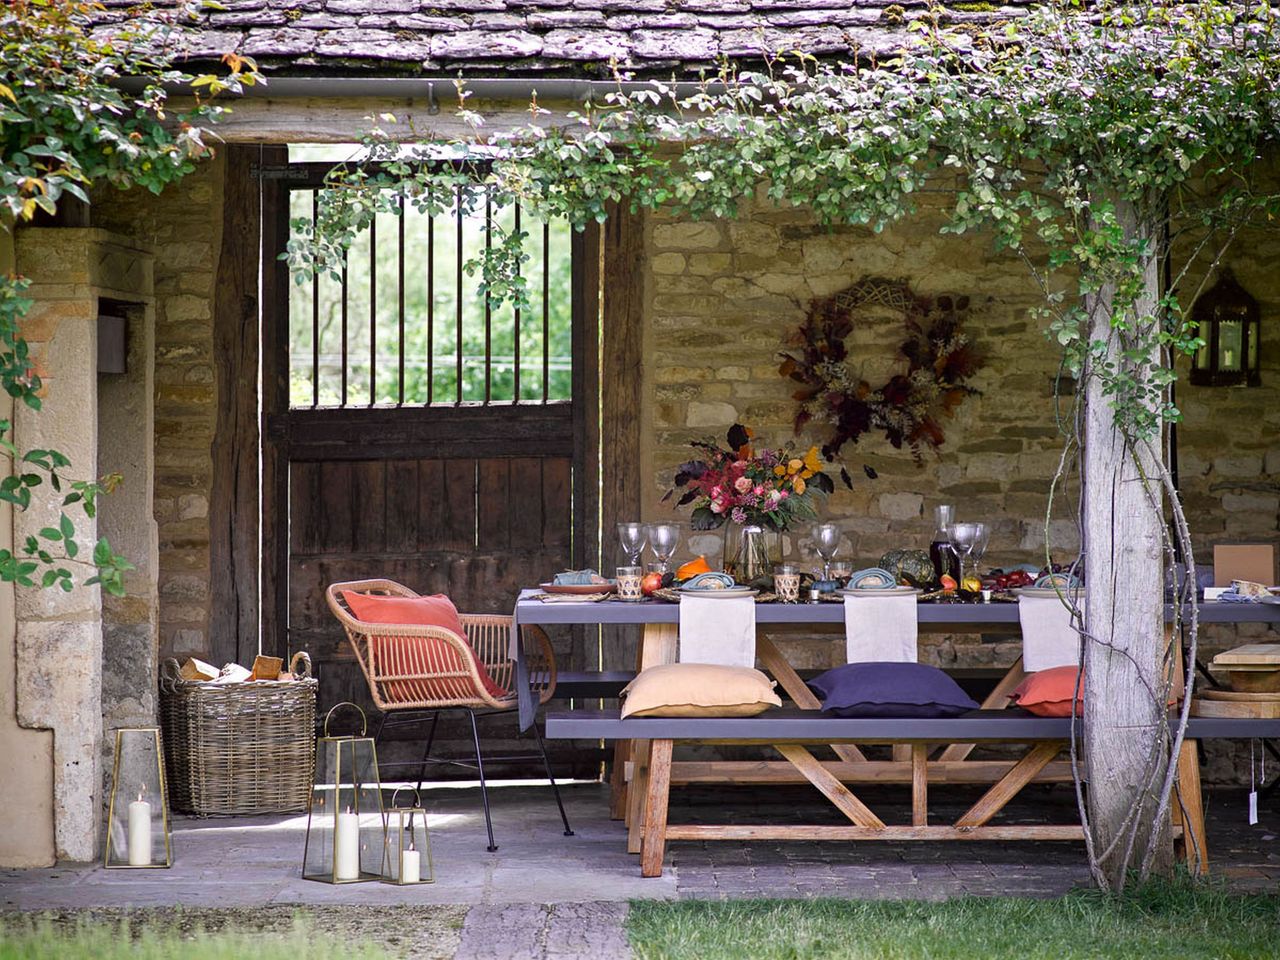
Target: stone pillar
(59,635)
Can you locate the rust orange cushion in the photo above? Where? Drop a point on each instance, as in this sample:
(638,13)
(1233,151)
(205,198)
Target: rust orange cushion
(1048,693)
(409,655)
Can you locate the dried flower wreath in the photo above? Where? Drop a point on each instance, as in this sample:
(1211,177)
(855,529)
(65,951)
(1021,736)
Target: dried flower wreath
(940,359)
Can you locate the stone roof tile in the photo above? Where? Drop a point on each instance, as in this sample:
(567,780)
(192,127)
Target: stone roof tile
(484,45)
(539,37)
(585,45)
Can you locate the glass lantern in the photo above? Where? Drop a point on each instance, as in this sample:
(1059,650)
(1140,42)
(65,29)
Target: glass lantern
(1228,320)
(346,826)
(138,814)
(407,859)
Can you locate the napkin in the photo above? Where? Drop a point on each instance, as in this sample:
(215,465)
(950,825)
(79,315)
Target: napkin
(873,578)
(1048,638)
(718,631)
(710,581)
(880,628)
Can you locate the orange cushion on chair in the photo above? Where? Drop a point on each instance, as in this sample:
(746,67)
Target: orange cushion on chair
(1048,693)
(402,655)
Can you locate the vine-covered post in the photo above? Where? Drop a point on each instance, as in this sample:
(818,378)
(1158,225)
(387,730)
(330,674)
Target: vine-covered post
(1126,734)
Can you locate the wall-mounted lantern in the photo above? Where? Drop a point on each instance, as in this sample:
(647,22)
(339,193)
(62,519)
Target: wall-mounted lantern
(1229,324)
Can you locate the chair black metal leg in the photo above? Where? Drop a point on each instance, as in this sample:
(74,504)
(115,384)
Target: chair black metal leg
(546,764)
(484,790)
(426,753)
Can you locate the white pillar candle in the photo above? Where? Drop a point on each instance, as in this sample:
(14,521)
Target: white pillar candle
(139,840)
(410,866)
(346,857)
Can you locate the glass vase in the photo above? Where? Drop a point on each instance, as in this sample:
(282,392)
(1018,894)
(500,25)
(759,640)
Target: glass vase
(750,551)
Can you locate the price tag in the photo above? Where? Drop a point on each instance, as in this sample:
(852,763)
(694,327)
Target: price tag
(1253,807)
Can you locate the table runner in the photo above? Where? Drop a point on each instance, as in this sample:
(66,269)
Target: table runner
(1049,639)
(719,631)
(880,629)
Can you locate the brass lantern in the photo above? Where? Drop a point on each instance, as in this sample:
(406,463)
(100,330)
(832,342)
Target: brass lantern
(408,846)
(346,826)
(138,814)
(1228,320)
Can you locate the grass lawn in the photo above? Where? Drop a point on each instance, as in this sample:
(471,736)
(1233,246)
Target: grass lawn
(1174,921)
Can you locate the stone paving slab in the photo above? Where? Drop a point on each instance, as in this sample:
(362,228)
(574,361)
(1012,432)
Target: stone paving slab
(253,861)
(556,931)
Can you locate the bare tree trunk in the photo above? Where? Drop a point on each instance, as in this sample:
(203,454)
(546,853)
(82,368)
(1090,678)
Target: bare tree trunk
(1126,734)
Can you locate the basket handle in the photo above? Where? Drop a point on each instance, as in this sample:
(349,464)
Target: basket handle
(170,675)
(364,724)
(305,659)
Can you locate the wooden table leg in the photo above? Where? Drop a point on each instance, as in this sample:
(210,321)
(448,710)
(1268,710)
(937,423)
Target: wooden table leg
(997,699)
(658,645)
(1008,786)
(657,795)
(771,659)
(1194,842)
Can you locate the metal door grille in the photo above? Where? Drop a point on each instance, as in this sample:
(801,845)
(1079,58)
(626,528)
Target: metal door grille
(405,324)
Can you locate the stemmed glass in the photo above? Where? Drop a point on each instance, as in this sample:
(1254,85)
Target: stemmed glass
(632,536)
(826,538)
(663,540)
(965,540)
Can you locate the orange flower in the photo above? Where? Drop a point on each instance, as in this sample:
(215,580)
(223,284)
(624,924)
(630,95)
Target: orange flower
(779,471)
(811,461)
(798,485)
(794,466)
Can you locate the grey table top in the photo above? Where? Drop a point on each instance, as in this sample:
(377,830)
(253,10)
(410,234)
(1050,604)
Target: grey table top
(960,614)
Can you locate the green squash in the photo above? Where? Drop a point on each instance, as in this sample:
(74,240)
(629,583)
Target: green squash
(911,567)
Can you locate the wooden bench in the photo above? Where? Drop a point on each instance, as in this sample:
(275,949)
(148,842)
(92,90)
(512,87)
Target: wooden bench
(791,731)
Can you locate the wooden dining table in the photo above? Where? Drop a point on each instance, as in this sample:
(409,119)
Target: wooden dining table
(659,622)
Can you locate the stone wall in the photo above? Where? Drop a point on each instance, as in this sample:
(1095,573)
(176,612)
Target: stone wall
(184,226)
(721,295)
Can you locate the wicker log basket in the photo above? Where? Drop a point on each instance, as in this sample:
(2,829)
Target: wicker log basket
(239,748)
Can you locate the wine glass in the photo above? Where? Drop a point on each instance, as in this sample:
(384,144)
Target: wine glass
(980,546)
(663,540)
(826,538)
(964,539)
(632,536)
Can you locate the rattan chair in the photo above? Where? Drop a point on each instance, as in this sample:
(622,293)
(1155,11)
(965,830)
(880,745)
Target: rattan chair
(412,681)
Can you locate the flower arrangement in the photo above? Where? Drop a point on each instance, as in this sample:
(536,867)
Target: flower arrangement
(771,488)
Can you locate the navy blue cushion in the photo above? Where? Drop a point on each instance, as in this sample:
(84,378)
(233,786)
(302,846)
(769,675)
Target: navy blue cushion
(890,690)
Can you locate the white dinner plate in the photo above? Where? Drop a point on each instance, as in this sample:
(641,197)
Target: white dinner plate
(1045,592)
(897,591)
(728,593)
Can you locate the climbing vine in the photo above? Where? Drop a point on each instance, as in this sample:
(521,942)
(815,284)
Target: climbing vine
(1091,143)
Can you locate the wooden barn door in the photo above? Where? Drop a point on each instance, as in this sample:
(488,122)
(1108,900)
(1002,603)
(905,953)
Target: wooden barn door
(415,431)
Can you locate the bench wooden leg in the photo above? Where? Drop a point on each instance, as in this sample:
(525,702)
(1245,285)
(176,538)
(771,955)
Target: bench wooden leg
(1008,786)
(1194,842)
(618,780)
(640,753)
(657,794)
(919,784)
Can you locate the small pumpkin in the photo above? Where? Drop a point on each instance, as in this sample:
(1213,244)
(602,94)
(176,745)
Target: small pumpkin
(693,568)
(912,567)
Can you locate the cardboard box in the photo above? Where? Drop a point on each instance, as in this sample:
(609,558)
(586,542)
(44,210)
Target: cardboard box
(1244,561)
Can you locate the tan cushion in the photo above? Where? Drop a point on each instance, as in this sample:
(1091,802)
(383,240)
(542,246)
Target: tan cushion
(698,690)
